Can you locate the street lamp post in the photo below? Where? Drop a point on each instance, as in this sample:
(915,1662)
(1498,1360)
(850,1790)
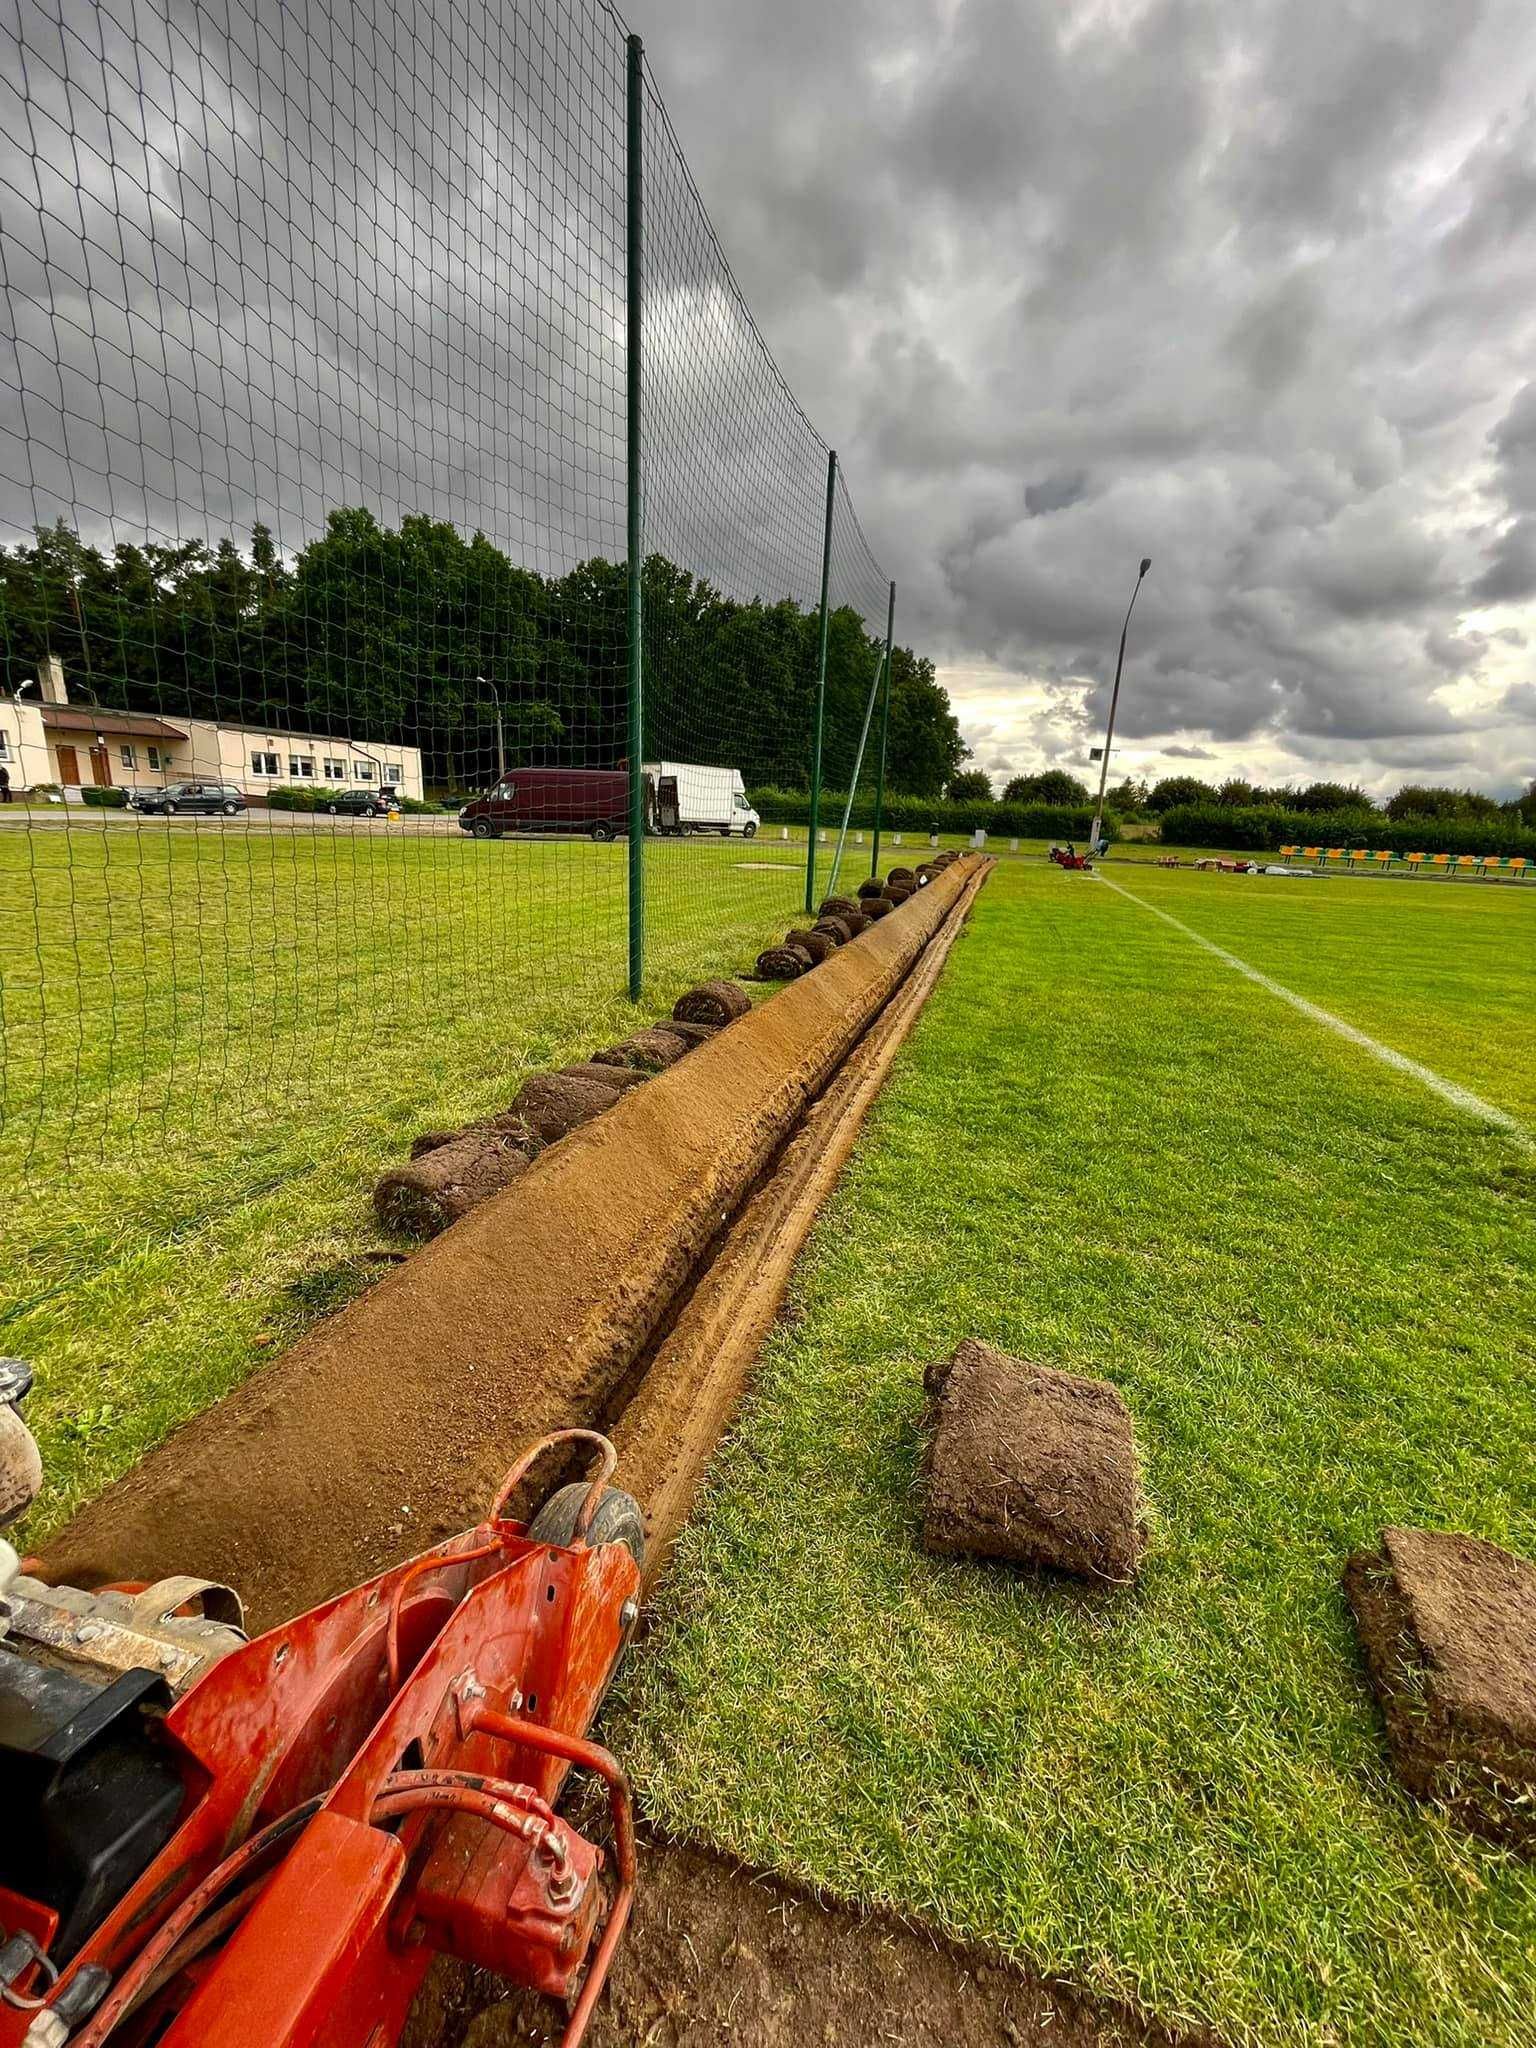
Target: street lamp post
(501,750)
(1109,737)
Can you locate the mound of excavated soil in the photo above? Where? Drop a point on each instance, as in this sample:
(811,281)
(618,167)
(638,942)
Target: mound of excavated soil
(783,963)
(712,1002)
(1448,1626)
(652,1049)
(428,1193)
(1031,1465)
(553,1104)
(721,1957)
(817,943)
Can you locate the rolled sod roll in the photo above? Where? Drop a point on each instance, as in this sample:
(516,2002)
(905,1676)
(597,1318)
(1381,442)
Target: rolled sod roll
(836,906)
(552,1104)
(783,963)
(855,920)
(654,1049)
(873,887)
(617,1078)
(834,928)
(817,944)
(877,906)
(712,1002)
(695,1034)
(900,875)
(425,1196)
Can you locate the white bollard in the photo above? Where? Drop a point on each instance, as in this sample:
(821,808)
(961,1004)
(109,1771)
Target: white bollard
(896,839)
(933,838)
(978,838)
(822,837)
(858,838)
(1013,846)
(783,831)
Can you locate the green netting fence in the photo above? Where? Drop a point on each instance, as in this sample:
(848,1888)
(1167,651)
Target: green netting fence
(398,504)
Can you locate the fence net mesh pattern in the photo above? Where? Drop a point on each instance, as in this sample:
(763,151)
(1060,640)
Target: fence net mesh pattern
(313,388)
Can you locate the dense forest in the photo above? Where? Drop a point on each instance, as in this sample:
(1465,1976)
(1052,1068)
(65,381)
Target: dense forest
(373,632)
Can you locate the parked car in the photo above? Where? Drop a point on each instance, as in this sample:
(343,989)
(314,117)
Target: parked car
(205,798)
(594,800)
(360,803)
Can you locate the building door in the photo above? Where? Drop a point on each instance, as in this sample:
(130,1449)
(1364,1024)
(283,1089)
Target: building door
(101,768)
(69,767)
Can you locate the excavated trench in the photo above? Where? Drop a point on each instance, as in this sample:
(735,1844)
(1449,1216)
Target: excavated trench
(626,1279)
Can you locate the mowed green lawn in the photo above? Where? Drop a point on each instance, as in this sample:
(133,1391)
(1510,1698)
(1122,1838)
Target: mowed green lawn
(215,1038)
(1312,1279)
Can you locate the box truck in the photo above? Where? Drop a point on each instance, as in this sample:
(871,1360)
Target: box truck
(688,798)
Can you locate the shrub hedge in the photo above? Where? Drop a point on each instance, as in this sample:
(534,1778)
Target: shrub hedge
(925,814)
(109,799)
(1265,829)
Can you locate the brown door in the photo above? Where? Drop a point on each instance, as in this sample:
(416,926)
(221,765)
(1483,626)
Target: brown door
(69,767)
(101,768)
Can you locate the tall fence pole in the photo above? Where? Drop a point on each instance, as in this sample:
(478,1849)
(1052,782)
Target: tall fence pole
(821,688)
(885,733)
(634,531)
(853,780)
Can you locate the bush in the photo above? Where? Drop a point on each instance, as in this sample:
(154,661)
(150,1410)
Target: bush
(1264,829)
(111,799)
(289,796)
(925,814)
(415,807)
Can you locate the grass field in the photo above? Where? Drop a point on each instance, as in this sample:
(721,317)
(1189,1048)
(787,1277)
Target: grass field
(1312,1279)
(216,1037)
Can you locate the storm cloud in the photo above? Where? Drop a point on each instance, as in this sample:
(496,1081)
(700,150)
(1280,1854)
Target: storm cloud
(1251,289)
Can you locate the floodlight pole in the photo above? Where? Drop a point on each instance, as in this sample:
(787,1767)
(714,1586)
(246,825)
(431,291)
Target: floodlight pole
(1114,699)
(501,745)
(885,733)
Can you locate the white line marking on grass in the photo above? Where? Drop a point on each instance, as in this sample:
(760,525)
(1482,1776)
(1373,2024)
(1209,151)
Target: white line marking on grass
(1449,1091)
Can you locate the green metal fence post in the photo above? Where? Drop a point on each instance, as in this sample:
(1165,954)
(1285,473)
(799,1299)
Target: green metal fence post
(885,733)
(821,689)
(634,529)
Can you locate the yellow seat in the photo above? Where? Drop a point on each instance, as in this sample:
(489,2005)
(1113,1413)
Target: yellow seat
(1287,851)
(1384,858)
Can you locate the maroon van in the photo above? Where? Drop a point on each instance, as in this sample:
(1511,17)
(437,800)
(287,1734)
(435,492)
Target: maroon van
(594,800)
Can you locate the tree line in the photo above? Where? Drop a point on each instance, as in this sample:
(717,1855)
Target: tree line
(380,633)
(1415,801)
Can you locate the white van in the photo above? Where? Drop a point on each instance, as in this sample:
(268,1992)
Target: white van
(687,798)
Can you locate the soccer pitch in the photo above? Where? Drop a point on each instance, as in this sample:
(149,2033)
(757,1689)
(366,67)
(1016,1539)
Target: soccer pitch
(216,1037)
(1310,1273)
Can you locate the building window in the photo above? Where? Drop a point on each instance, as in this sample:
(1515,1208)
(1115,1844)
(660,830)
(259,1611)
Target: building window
(335,771)
(5,746)
(394,774)
(263,764)
(302,767)
(362,771)
(157,759)
(125,755)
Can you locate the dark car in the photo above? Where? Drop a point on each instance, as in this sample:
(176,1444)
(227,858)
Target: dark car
(594,800)
(361,803)
(205,798)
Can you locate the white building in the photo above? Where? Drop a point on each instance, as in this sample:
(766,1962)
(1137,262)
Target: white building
(46,739)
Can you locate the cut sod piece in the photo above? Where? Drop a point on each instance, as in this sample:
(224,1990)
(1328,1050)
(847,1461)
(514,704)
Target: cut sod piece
(553,1104)
(1448,1626)
(783,963)
(712,1002)
(654,1048)
(1031,1465)
(436,1189)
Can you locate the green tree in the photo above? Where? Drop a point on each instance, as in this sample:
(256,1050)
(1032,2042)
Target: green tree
(1428,800)
(1235,794)
(970,786)
(1050,786)
(1179,789)
(1127,797)
(1319,798)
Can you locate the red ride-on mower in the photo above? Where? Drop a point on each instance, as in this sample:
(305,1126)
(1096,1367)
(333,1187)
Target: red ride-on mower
(1069,857)
(210,1842)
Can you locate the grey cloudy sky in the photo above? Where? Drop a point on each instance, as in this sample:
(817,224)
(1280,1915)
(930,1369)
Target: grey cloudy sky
(1247,284)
